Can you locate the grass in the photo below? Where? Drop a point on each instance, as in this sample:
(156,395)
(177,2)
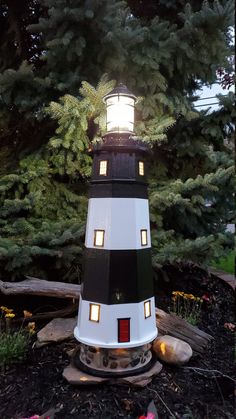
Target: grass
(226,264)
(13,344)
(12,347)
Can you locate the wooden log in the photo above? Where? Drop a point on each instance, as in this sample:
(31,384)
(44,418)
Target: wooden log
(63,312)
(169,324)
(36,286)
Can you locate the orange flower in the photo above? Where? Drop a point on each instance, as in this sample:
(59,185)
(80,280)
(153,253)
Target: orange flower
(178,293)
(27,314)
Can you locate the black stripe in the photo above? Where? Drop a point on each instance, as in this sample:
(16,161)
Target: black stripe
(117,276)
(118,190)
(120,166)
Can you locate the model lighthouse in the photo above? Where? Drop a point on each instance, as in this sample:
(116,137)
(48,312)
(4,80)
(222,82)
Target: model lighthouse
(116,320)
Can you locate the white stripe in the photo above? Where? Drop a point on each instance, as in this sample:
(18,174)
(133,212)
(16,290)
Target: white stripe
(122,219)
(104,334)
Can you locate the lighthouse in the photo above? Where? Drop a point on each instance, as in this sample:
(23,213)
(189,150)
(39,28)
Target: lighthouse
(116,318)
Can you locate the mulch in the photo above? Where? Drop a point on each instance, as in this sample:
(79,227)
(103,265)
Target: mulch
(36,384)
(224,276)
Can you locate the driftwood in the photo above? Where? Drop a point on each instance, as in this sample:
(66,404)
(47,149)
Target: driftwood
(168,324)
(47,315)
(35,286)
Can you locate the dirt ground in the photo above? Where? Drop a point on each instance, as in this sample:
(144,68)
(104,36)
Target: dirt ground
(36,384)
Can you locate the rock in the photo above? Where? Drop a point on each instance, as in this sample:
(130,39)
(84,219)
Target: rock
(72,351)
(143,379)
(124,363)
(74,376)
(172,350)
(56,331)
(135,362)
(113,365)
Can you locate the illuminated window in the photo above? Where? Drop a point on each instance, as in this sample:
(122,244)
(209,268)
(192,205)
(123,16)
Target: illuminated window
(144,241)
(123,330)
(141,168)
(99,238)
(94,312)
(147,309)
(103,168)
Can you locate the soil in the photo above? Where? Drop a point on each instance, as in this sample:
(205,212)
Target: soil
(36,384)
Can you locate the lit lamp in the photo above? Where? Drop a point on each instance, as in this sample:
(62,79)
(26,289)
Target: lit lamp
(120,110)
(116,319)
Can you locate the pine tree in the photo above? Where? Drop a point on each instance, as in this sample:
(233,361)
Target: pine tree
(50,113)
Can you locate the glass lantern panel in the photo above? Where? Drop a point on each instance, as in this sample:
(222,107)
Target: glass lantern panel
(120,114)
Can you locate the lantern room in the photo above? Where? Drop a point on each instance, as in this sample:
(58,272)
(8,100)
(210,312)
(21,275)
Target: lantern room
(120,106)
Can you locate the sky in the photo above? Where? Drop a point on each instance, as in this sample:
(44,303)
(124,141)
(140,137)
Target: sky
(215,89)
(210,92)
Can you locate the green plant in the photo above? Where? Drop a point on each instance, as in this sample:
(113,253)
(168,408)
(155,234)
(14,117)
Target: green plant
(13,344)
(226,264)
(186,306)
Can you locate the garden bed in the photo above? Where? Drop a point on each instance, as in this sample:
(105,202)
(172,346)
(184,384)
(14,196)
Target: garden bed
(36,384)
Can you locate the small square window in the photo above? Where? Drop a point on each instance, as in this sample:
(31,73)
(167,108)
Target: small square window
(103,168)
(141,168)
(144,241)
(99,238)
(147,309)
(94,312)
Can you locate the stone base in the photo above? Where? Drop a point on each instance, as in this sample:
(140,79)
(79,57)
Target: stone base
(75,376)
(104,362)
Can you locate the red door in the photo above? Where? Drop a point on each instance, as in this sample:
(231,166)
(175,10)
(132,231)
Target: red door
(123,330)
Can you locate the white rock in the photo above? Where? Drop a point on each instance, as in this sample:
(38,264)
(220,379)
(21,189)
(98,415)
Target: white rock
(172,350)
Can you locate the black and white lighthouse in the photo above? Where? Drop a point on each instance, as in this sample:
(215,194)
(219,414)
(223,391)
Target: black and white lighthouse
(116,320)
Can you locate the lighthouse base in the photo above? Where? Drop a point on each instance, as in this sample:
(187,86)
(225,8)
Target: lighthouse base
(104,362)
